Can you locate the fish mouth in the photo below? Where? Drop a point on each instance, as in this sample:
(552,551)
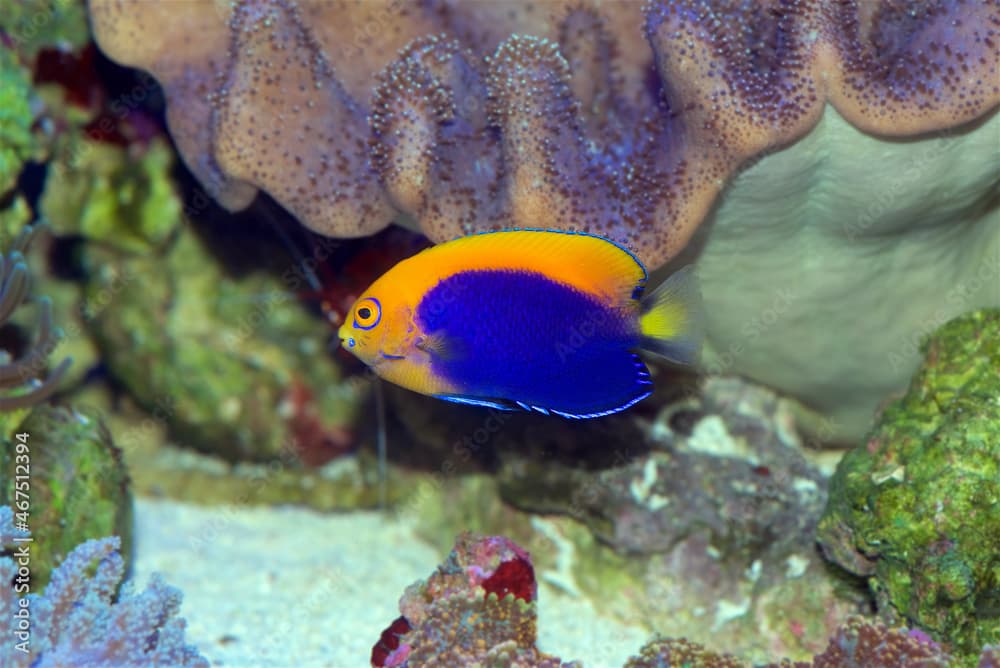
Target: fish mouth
(346,340)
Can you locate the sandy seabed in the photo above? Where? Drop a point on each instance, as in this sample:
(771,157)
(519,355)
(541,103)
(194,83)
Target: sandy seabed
(290,587)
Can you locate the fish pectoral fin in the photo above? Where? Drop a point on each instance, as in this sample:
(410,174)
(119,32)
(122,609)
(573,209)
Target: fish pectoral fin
(438,345)
(500,404)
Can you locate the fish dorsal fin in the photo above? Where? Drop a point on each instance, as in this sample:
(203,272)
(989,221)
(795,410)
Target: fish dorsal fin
(586,262)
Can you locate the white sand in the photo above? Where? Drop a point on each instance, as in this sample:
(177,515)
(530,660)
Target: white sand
(290,587)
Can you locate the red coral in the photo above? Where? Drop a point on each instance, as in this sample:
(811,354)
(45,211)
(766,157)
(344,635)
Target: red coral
(515,577)
(75,72)
(388,642)
(462,614)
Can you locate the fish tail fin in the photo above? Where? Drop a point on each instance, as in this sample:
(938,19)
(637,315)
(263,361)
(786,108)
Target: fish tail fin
(671,320)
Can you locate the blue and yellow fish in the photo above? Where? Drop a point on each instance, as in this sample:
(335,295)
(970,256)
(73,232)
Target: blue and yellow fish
(524,319)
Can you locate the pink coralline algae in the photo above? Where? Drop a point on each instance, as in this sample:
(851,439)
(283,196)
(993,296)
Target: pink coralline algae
(478,608)
(624,119)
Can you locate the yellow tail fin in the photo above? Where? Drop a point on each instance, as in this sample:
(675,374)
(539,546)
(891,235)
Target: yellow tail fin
(671,324)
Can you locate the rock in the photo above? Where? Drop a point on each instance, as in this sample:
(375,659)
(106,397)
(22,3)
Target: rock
(916,510)
(78,487)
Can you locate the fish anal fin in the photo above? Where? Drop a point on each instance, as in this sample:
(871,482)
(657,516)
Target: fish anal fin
(499,404)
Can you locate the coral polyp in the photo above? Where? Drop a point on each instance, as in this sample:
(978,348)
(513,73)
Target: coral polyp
(23,379)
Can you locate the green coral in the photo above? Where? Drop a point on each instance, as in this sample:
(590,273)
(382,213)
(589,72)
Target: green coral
(17,142)
(78,486)
(917,509)
(31,25)
(105,193)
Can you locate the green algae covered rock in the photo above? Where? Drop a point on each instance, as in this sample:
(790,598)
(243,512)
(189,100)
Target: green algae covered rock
(17,142)
(31,25)
(231,365)
(108,194)
(78,487)
(917,509)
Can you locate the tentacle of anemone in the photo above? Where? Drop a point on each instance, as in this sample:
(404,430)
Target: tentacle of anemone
(15,289)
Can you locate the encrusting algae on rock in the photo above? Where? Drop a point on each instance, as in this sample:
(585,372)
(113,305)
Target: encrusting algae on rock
(916,510)
(79,485)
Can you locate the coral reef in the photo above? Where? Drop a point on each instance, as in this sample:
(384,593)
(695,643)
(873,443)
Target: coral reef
(713,527)
(113,196)
(669,652)
(20,386)
(862,643)
(916,510)
(628,120)
(74,622)
(756,491)
(79,488)
(856,643)
(478,608)
(736,548)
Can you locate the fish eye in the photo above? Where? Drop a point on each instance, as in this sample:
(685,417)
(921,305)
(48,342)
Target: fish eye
(368,313)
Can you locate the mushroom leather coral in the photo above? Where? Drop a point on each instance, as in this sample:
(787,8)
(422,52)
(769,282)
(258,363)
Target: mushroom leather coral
(622,119)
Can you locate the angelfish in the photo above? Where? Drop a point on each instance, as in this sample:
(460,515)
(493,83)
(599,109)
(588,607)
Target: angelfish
(538,320)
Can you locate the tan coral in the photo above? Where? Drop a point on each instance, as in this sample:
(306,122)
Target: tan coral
(185,52)
(577,136)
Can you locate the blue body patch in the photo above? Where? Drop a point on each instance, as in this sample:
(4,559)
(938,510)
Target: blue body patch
(517,339)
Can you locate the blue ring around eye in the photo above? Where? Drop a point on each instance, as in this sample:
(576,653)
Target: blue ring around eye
(378,318)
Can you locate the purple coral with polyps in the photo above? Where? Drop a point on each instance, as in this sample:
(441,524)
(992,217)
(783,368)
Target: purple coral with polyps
(79,620)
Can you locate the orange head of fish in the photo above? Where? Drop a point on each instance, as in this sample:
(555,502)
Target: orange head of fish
(380,331)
